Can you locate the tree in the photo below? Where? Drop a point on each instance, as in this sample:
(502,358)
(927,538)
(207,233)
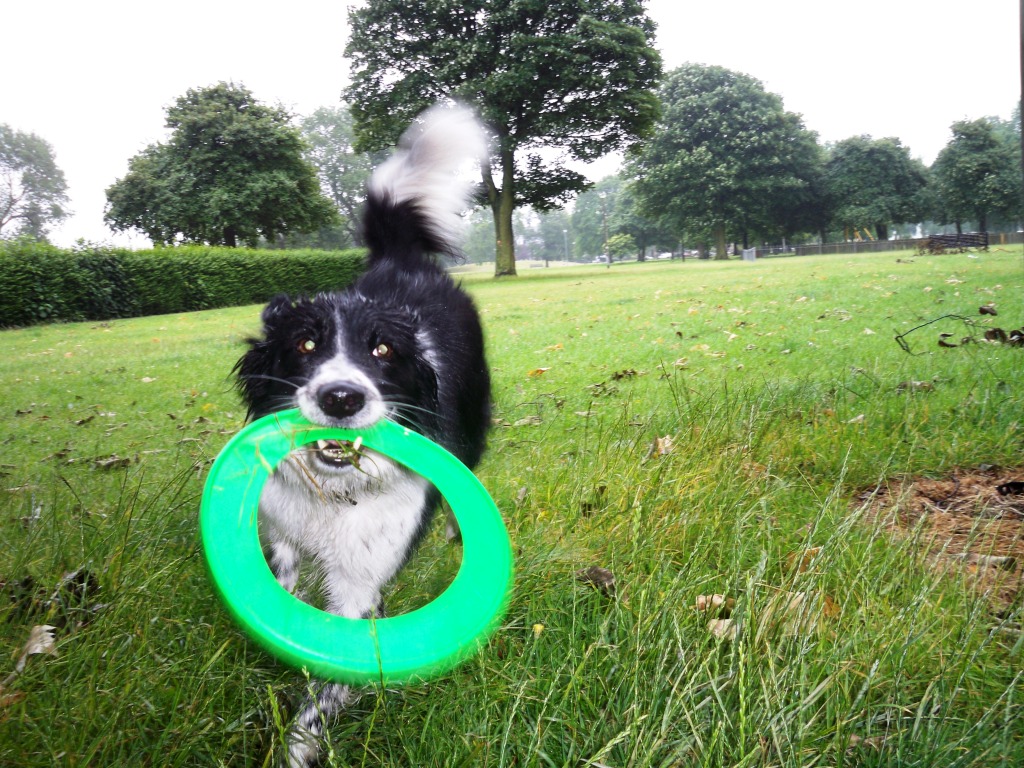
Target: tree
(645,231)
(977,173)
(873,183)
(621,245)
(342,170)
(611,208)
(555,230)
(33,192)
(593,215)
(724,156)
(565,78)
(232,170)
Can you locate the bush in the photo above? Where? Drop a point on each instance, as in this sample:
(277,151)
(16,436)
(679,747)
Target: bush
(43,283)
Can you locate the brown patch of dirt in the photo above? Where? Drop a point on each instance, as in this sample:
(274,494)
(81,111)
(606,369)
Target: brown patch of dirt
(960,523)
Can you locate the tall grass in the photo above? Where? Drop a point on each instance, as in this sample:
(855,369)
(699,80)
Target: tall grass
(778,386)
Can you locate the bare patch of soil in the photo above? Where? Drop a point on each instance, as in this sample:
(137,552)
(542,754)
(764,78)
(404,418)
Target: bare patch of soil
(960,523)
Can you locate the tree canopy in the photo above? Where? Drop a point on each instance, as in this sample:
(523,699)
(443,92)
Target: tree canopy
(726,156)
(33,191)
(874,183)
(342,170)
(232,170)
(977,174)
(555,80)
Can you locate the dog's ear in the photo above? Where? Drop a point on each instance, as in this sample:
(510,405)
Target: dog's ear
(253,375)
(277,307)
(255,370)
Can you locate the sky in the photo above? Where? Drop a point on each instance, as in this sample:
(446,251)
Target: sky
(94,78)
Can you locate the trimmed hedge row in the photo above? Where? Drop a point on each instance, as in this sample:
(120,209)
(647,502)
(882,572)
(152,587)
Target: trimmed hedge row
(41,283)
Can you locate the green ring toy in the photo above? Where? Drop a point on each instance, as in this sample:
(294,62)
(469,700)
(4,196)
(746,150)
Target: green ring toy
(409,648)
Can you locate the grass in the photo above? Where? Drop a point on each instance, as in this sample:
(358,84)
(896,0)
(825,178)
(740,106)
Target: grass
(778,386)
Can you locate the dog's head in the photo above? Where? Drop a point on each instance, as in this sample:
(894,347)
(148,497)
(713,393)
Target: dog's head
(342,359)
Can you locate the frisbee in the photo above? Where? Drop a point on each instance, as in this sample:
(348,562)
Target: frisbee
(411,647)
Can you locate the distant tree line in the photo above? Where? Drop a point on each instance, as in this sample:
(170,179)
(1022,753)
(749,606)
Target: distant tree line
(713,160)
(728,166)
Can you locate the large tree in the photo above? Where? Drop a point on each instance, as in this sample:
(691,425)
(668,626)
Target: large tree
(646,231)
(553,80)
(726,157)
(33,192)
(977,173)
(232,171)
(611,208)
(593,216)
(873,183)
(342,170)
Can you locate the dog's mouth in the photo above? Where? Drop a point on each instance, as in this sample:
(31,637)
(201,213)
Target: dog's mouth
(339,453)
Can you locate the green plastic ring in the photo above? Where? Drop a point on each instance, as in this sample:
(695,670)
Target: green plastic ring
(408,648)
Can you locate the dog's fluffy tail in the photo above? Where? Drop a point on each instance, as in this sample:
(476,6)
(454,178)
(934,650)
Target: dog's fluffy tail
(416,198)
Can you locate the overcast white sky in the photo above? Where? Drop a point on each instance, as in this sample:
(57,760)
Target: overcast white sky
(94,78)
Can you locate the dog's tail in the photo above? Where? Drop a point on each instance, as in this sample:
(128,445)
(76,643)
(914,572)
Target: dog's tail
(415,199)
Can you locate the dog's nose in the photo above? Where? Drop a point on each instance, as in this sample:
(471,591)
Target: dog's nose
(340,400)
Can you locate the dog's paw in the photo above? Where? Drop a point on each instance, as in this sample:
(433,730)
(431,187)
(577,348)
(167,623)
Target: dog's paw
(302,751)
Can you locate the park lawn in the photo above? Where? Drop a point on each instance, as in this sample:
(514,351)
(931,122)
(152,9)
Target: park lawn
(694,428)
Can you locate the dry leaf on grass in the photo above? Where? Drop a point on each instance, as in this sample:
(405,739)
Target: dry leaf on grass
(915,386)
(600,578)
(797,613)
(720,603)
(40,641)
(723,629)
(529,421)
(112,462)
(1005,562)
(627,373)
(1014,487)
(871,742)
(802,560)
(660,447)
(7,699)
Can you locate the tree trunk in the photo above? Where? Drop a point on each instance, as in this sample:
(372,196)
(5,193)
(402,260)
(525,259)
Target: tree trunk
(881,231)
(230,237)
(983,223)
(504,245)
(721,253)
(502,201)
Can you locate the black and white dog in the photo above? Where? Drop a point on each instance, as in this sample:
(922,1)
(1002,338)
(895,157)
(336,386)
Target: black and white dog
(403,343)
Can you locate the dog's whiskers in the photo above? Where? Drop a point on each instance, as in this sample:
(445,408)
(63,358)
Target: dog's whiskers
(266,377)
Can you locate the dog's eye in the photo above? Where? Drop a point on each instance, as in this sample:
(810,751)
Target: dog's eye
(382,351)
(305,346)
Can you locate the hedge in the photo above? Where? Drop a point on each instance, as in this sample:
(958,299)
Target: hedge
(42,283)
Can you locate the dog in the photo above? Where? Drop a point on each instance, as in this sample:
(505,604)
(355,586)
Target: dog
(405,343)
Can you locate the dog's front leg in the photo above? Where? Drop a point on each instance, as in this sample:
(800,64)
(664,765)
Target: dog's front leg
(284,564)
(303,740)
(344,598)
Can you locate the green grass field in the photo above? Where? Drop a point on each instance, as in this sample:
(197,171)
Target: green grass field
(690,427)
